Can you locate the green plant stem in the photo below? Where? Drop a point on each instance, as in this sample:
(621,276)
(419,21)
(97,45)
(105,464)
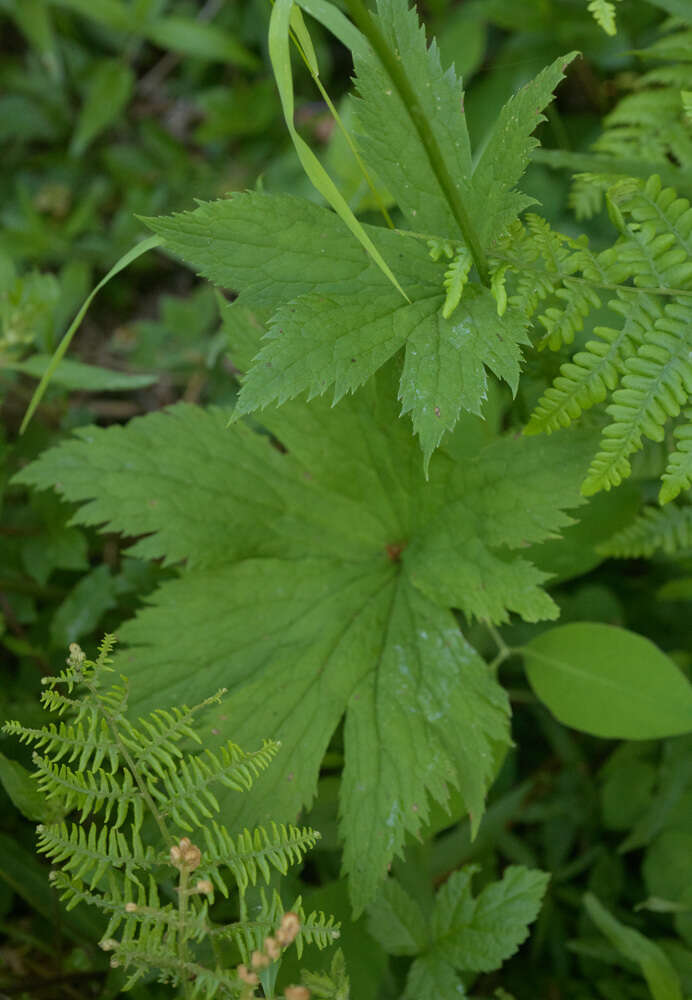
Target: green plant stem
(503,650)
(134,770)
(364,20)
(182,916)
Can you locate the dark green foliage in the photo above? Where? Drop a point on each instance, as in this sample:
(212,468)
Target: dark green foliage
(405,419)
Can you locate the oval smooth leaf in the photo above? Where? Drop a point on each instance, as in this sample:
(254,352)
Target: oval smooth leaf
(608,682)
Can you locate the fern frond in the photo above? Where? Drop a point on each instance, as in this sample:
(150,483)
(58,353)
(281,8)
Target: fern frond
(154,743)
(315,929)
(668,529)
(658,247)
(586,380)
(88,855)
(656,386)
(455,280)
(254,853)
(89,746)
(678,474)
(91,792)
(603,12)
(586,194)
(561,323)
(184,791)
(101,865)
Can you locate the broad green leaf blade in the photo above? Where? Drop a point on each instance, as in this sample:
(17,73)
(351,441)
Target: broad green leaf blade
(390,142)
(338,319)
(120,265)
(280,56)
(448,718)
(397,921)
(609,682)
(661,978)
(299,595)
(433,978)
(108,93)
(78,377)
(446,361)
(508,152)
(457,562)
(152,478)
(275,248)
(479,934)
(320,340)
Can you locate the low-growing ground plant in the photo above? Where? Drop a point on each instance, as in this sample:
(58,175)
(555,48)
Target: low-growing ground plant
(448,408)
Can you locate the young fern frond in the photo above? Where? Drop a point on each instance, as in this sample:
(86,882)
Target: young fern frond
(561,324)
(646,364)
(184,792)
(251,854)
(455,280)
(315,927)
(665,529)
(649,126)
(592,373)
(603,12)
(113,773)
(656,385)
(678,474)
(88,855)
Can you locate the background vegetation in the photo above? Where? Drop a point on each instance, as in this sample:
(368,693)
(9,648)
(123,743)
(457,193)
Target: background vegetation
(111,111)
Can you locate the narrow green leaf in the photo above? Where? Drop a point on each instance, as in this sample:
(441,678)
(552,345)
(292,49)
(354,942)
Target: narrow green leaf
(107,94)
(190,37)
(280,56)
(76,376)
(609,682)
(120,265)
(661,978)
(397,921)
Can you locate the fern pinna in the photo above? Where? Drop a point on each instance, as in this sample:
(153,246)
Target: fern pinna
(136,787)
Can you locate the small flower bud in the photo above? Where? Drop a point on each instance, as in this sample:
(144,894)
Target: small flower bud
(297,993)
(288,929)
(205,886)
(247,977)
(186,854)
(130,907)
(108,944)
(192,858)
(77,656)
(272,948)
(114,963)
(259,960)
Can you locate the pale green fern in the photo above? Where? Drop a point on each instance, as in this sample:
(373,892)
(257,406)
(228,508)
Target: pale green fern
(657,529)
(604,14)
(120,776)
(645,362)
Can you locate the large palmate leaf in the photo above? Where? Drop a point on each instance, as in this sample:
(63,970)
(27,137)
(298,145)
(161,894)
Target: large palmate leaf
(316,586)
(337,317)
